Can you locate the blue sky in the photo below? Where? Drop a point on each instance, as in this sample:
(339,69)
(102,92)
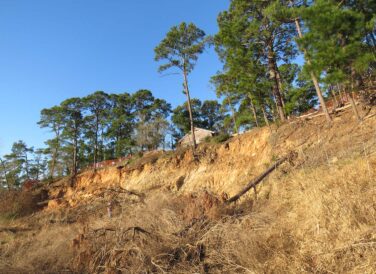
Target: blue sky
(53,50)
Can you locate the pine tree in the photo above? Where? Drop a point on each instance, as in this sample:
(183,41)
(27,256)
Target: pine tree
(226,86)
(335,43)
(121,124)
(98,106)
(250,33)
(181,48)
(73,128)
(53,118)
(150,124)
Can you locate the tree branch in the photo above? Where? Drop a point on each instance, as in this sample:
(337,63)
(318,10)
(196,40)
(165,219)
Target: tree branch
(259,179)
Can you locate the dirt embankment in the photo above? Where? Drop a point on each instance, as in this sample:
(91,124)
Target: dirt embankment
(314,215)
(225,168)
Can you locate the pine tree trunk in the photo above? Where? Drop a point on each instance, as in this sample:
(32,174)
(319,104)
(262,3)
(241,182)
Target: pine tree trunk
(53,164)
(354,108)
(265,117)
(117,147)
(273,76)
(279,80)
(335,99)
(274,113)
(234,120)
(254,111)
(343,97)
(37,176)
(27,166)
(96,143)
(321,98)
(54,156)
(74,166)
(102,145)
(351,95)
(233,115)
(5,174)
(313,76)
(194,145)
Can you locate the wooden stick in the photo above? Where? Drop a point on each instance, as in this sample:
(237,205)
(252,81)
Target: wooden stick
(45,202)
(14,229)
(258,179)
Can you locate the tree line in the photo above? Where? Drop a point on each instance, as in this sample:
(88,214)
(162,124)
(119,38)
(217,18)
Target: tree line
(259,43)
(101,127)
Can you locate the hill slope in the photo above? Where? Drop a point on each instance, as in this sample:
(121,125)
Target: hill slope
(315,214)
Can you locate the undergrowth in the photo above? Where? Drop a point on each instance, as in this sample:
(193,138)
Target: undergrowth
(17,203)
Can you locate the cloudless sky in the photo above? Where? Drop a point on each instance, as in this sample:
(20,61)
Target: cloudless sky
(54,50)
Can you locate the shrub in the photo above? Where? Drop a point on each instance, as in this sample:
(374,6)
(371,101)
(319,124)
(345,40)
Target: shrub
(16,203)
(223,137)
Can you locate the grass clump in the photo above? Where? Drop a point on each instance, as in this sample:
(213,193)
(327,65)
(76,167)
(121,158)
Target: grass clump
(220,138)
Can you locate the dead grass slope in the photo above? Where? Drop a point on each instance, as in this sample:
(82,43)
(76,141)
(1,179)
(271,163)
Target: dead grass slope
(315,216)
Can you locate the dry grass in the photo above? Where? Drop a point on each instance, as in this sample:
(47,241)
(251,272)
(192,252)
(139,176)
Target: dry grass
(43,250)
(311,220)
(316,217)
(143,238)
(316,220)
(319,220)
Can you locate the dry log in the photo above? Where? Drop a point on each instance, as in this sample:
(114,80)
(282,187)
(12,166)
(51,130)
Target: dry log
(307,115)
(259,179)
(318,114)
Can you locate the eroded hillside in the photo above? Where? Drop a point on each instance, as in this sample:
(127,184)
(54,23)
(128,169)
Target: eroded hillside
(224,168)
(314,214)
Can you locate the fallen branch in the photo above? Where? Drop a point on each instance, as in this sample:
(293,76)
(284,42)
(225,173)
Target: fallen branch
(45,202)
(134,229)
(105,229)
(259,179)
(137,229)
(369,116)
(121,190)
(308,115)
(14,229)
(315,114)
(157,266)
